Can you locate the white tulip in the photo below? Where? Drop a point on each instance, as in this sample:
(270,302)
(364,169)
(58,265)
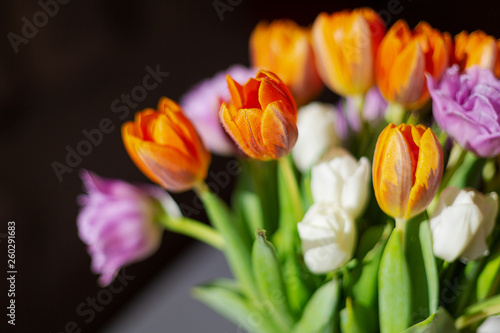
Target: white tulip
(490,325)
(461,222)
(342,180)
(328,237)
(316,126)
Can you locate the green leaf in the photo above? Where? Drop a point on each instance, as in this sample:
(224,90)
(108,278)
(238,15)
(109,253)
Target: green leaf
(439,322)
(365,287)
(249,205)
(295,278)
(416,266)
(353,318)
(269,280)
(479,311)
(320,309)
(224,298)
(394,287)
(431,270)
(469,173)
(488,281)
(370,238)
(236,250)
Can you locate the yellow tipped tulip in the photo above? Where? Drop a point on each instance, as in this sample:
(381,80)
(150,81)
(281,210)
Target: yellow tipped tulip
(407,169)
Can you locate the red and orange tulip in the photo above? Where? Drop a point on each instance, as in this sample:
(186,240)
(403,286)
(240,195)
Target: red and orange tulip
(165,147)
(475,49)
(262,116)
(345,45)
(407,169)
(404,57)
(283,47)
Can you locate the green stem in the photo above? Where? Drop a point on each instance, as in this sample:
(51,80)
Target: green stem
(293,187)
(194,229)
(469,319)
(450,170)
(400,229)
(395,113)
(236,250)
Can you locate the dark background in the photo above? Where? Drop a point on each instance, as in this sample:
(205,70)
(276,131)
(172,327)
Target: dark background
(64,79)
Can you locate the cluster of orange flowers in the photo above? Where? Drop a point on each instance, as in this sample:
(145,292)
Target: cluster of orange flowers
(348,51)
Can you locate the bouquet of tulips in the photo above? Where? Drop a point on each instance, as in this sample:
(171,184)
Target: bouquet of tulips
(375,214)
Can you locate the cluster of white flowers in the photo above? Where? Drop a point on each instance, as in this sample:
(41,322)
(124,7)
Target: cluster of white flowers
(339,186)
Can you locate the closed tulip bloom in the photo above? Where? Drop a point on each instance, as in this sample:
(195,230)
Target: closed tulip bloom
(284,48)
(475,49)
(262,116)
(404,57)
(328,235)
(316,125)
(165,147)
(117,222)
(342,180)
(345,45)
(407,169)
(461,223)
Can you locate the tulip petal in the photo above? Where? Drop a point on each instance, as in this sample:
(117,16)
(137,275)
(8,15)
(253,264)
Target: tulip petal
(392,176)
(407,74)
(464,220)
(428,173)
(236,91)
(278,133)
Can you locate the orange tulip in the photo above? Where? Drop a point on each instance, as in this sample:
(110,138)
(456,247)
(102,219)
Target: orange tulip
(345,45)
(165,147)
(407,169)
(404,57)
(475,49)
(284,48)
(262,116)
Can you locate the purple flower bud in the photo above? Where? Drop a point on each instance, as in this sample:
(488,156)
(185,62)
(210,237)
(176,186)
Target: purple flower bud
(201,105)
(117,222)
(467,108)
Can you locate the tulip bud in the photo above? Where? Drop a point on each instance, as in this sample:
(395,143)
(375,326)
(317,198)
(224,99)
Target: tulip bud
(342,180)
(316,125)
(262,116)
(461,222)
(117,222)
(475,49)
(165,147)
(404,57)
(328,236)
(407,169)
(345,45)
(283,47)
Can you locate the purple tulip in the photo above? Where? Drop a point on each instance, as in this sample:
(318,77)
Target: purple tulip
(117,222)
(201,105)
(467,108)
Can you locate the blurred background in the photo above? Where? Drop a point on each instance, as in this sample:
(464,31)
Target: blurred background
(62,77)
